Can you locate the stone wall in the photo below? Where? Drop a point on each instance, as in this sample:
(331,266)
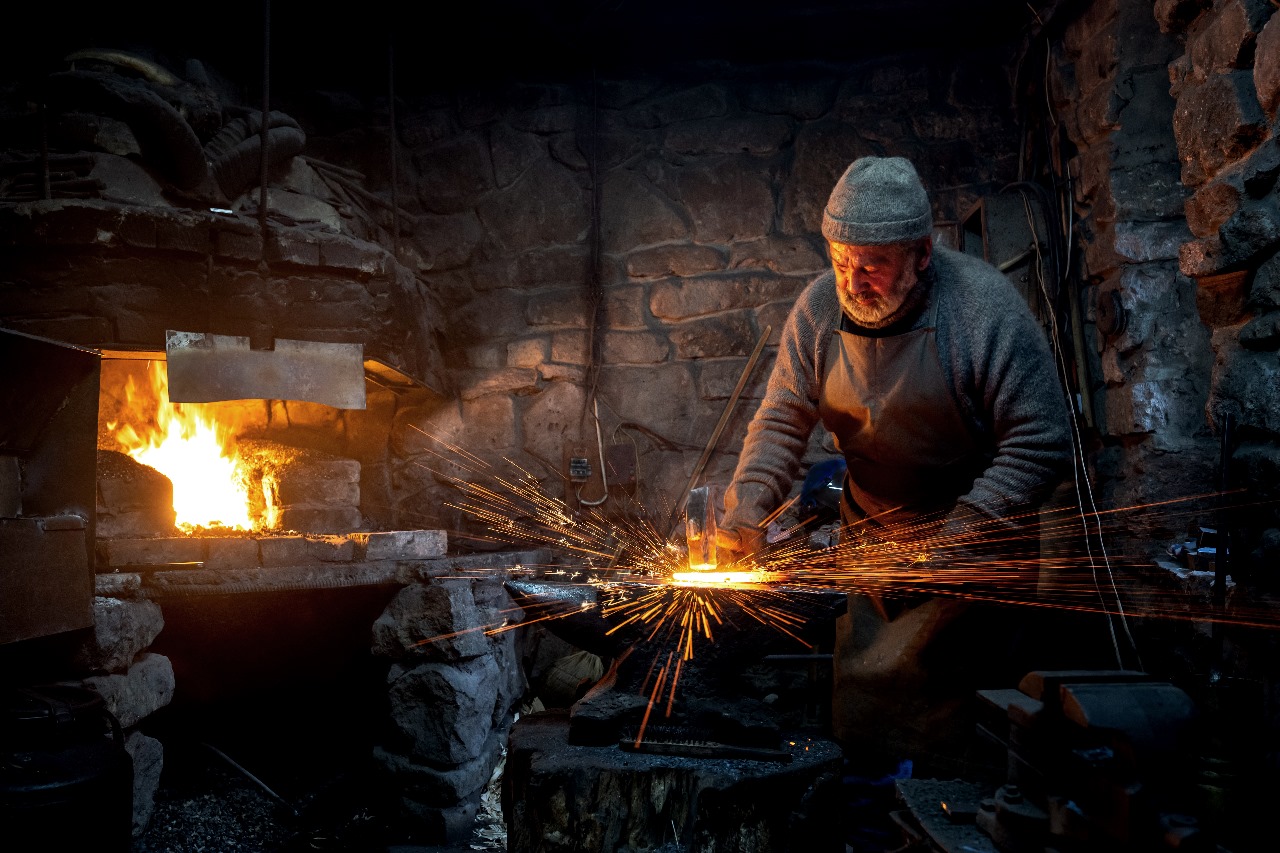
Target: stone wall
(710,191)
(1227,85)
(455,679)
(1150,352)
(133,682)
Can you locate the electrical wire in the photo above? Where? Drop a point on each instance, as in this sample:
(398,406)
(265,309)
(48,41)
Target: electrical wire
(1081,474)
(604,473)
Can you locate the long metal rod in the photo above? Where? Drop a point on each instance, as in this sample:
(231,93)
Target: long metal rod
(254,779)
(720,425)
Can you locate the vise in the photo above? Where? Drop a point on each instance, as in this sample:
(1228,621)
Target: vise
(1096,761)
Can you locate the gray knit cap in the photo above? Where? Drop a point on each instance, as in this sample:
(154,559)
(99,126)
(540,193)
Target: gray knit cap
(878,200)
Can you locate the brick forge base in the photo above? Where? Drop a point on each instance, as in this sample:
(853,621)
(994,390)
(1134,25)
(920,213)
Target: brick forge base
(192,565)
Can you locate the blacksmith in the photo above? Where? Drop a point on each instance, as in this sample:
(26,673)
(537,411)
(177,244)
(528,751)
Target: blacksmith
(940,390)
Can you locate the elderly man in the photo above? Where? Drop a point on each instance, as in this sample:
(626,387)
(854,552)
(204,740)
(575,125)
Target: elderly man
(941,393)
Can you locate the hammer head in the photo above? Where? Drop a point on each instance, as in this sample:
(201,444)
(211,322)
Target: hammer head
(700,529)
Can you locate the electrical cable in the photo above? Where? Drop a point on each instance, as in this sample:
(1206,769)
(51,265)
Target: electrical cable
(604,473)
(1079,466)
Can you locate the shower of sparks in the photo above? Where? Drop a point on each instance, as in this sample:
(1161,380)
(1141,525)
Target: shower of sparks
(644,589)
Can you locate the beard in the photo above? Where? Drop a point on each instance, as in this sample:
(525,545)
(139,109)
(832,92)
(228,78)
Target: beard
(872,309)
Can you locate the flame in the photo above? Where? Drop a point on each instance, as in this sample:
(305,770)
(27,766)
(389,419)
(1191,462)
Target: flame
(189,447)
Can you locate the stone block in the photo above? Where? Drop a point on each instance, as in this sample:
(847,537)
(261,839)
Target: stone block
(569,347)
(448,240)
(562,373)
(1261,334)
(121,630)
(711,337)
(231,553)
(784,255)
(442,711)
(663,261)
(1220,299)
(437,622)
(1246,384)
(627,306)
(511,380)
(184,233)
(545,120)
(133,499)
(1252,230)
(512,151)
(1173,16)
(802,99)
(659,396)
(529,352)
(707,101)
(747,134)
(490,424)
(1097,113)
(551,418)
(556,309)
(1216,123)
(696,297)
(565,149)
(119,553)
(728,202)
(487,357)
(300,550)
(635,213)
(237,246)
(546,206)
(1138,408)
(1147,191)
(1227,41)
(1266,66)
(1261,171)
(320,482)
(144,689)
(338,251)
(309,519)
(1264,296)
(454,174)
(402,544)
(117,585)
(1210,207)
(634,348)
(449,825)
(443,786)
(147,754)
(719,377)
(560,267)
(1150,241)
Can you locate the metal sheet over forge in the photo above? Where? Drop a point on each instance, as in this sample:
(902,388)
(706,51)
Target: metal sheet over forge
(206,368)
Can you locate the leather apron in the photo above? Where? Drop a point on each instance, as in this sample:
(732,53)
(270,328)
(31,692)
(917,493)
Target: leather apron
(901,678)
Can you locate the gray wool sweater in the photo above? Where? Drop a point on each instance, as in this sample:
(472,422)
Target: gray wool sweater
(994,357)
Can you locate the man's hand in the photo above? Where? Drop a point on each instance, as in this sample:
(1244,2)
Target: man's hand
(742,541)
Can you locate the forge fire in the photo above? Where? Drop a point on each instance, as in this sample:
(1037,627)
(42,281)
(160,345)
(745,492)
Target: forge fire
(808,426)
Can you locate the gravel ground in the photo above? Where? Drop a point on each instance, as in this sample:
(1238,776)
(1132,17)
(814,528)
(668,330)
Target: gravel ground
(206,806)
(313,747)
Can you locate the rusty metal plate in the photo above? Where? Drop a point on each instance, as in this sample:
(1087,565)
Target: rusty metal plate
(206,368)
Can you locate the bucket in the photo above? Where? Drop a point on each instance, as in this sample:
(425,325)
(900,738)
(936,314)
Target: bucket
(66,781)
